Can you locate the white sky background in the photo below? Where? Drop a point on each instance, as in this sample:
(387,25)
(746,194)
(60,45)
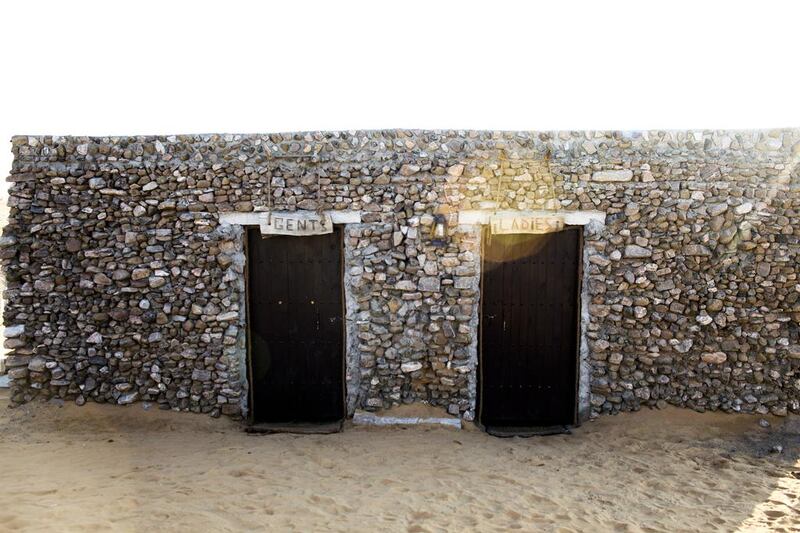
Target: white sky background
(141,66)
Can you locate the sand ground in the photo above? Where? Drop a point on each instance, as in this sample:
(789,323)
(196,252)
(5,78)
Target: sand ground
(126,469)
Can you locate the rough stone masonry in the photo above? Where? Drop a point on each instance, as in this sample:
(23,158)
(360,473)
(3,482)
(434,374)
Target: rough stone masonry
(124,284)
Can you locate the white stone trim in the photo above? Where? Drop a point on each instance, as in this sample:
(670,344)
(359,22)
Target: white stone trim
(253,218)
(364,418)
(240,219)
(571,218)
(345,217)
(584,399)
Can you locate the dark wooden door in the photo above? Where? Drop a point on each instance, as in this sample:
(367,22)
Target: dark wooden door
(529,353)
(295,328)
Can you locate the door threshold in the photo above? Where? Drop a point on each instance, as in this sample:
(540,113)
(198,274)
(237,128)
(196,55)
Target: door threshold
(301,428)
(362,418)
(522,431)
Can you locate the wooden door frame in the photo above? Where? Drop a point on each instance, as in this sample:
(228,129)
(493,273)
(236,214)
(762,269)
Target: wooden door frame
(485,233)
(250,418)
(248,351)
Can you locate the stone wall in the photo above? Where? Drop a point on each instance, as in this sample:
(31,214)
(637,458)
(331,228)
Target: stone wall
(123,285)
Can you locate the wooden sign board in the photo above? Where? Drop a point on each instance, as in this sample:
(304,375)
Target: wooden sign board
(507,224)
(296,223)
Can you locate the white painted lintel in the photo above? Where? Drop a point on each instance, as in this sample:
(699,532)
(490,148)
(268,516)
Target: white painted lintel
(571,218)
(253,218)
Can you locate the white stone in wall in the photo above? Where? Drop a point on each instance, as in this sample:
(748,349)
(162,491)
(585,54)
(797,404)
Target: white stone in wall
(429,283)
(704,319)
(14,331)
(635,251)
(771,144)
(612,175)
(696,249)
(227,316)
(409,170)
(523,177)
(405,285)
(456,170)
(716,358)
(412,366)
(682,346)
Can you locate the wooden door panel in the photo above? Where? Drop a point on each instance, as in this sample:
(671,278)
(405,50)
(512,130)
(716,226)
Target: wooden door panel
(529,329)
(296,328)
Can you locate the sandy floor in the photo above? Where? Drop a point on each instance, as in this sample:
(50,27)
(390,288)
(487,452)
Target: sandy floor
(101,467)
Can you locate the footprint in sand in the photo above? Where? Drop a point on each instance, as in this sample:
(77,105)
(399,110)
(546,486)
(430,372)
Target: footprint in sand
(328,502)
(12,523)
(43,492)
(419,516)
(512,514)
